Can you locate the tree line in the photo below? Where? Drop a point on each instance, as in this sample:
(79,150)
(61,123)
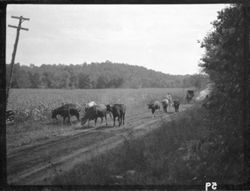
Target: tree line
(98,75)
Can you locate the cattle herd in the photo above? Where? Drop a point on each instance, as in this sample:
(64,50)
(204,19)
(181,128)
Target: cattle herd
(165,103)
(93,111)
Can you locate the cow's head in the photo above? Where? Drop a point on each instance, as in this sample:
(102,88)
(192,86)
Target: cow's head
(109,108)
(190,93)
(83,120)
(150,105)
(54,114)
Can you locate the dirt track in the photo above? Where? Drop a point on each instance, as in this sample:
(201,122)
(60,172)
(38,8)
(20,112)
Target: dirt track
(38,164)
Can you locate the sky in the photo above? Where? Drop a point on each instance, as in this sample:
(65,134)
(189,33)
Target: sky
(159,37)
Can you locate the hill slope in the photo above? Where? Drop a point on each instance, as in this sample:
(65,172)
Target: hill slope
(98,75)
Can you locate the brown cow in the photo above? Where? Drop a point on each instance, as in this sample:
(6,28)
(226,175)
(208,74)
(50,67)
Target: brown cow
(119,111)
(154,106)
(94,112)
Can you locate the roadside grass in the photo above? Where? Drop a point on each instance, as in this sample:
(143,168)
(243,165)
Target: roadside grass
(181,151)
(30,131)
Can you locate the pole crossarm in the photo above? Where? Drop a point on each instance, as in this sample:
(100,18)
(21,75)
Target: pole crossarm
(23,18)
(18,27)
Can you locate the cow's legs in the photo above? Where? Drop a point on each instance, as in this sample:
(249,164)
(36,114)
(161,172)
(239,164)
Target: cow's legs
(114,120)
(69,117)
(123,117)
(95,121)
(110,115)
(106,119)
(77,117)
(70,120)
(119,119)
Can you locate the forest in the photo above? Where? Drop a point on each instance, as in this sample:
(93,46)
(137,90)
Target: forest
(98,75)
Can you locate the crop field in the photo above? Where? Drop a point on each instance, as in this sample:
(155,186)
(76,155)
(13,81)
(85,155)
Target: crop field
(33,108)
(21,99)
(36,104)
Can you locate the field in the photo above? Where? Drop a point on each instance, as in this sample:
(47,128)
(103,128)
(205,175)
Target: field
(21,99)
(33,108)
(43,140)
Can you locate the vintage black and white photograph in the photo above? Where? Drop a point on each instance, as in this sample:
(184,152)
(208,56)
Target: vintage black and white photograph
(125,94)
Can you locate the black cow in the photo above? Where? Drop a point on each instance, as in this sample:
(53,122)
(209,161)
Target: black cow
(119,111)
(66,111)
(71,106)
(176,105)
(94,112)
(190,95)
(154,106)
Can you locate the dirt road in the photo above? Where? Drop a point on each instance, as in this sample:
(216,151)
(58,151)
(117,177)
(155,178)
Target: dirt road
(40,162)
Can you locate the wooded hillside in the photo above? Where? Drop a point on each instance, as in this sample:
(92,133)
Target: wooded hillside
(98,75)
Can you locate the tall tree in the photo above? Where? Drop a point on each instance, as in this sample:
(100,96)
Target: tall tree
(223,60)
(225,64)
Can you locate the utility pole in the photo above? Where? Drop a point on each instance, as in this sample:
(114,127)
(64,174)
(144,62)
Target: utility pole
(19,27)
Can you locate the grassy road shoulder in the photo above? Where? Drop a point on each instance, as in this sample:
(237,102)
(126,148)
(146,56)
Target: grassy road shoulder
(179,152)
